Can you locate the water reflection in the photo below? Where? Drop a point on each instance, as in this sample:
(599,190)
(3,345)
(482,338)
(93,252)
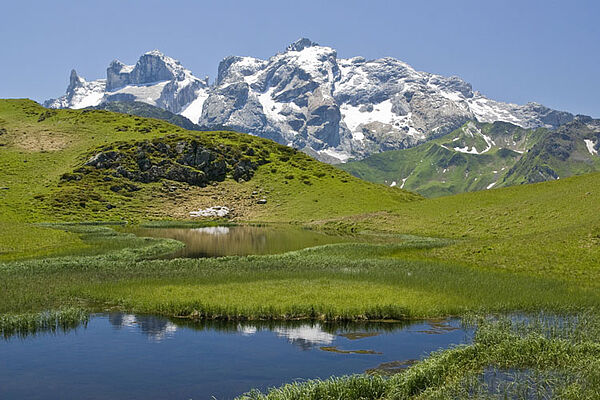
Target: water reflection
(305,336)
(213,230)
(156,329)
(206,358)
(219,241)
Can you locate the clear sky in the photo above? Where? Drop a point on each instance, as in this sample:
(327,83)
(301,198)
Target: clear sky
(518,51)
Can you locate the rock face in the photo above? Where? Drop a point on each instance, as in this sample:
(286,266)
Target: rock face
(181,161)
(308,98)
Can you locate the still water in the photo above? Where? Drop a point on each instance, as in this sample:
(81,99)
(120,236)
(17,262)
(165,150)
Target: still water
(123,356)
(218,241)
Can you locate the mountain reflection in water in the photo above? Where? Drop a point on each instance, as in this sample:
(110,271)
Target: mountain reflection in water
(219,241)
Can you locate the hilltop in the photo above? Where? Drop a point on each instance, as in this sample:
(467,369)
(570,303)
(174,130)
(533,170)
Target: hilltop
(48,175)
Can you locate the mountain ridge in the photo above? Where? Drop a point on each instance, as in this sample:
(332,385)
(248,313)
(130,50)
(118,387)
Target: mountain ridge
(480,156)
(306,97)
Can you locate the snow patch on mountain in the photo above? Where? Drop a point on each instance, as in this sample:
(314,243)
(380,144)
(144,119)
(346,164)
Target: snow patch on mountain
(193,110)
(590,144)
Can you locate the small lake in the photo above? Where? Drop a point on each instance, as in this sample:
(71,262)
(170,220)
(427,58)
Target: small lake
(219,241)
(123,356)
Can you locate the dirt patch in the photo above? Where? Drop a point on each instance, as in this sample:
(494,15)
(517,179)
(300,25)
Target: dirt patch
(40,141)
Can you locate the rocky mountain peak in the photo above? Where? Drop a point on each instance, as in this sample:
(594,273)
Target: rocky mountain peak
(301,44)
(74,81)
(152,66)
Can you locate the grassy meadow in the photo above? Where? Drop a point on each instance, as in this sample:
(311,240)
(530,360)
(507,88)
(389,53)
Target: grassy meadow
(524,249)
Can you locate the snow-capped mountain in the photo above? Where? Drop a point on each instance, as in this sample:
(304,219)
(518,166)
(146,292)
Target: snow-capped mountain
(308,98)
(155,79)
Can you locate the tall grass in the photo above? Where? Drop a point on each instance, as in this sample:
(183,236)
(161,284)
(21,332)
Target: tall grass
(61,320)
(331,282)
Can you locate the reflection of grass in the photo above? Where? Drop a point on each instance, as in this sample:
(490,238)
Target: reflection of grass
(334,349)
(535,358)
(185,224)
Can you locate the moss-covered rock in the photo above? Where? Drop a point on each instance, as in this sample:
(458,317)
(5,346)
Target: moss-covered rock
(180,159)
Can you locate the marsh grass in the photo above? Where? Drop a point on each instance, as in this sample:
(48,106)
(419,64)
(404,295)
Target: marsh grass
(101,239)
(529,358)
(53,321)
(346,281)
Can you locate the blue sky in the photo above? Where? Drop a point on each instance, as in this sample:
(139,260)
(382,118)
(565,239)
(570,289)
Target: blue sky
(518,51)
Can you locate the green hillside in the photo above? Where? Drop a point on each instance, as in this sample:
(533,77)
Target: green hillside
(481,156)
(44,176)
(561,154)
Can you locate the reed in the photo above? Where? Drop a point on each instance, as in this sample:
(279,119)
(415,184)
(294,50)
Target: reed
(53,321)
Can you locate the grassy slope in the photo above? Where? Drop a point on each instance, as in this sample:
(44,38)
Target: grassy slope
(41,145)
(525,247)
(544,229)
(435,169)
(561,154)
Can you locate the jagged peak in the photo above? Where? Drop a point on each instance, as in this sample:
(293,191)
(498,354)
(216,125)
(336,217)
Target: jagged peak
(116,63)
(169,62)
(162,56)
(74,80)
(74,75)
(301,44)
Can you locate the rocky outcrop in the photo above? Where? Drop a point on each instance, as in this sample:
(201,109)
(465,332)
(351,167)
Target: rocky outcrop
(184,160)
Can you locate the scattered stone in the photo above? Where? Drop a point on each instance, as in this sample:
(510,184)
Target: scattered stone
(262,201)
(71,177)
(254,193)
(215,211)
